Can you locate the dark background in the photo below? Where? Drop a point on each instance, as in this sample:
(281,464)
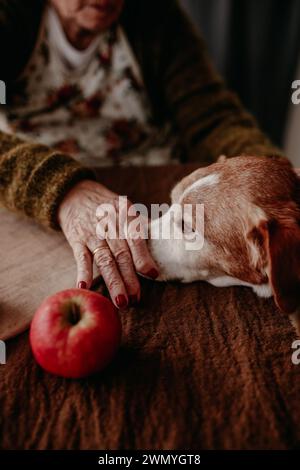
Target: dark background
(255,45)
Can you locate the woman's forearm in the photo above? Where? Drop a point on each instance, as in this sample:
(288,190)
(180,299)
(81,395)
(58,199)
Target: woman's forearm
(34,179)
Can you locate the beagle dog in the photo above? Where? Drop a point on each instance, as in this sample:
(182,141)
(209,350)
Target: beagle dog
(251,228)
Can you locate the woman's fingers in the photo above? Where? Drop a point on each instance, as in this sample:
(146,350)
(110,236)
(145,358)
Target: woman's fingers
(106,264)
(117,258)
(142,259)
(136,238)
(84,265)
(123,259)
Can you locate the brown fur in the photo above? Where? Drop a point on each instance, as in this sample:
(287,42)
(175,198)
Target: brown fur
(252,218)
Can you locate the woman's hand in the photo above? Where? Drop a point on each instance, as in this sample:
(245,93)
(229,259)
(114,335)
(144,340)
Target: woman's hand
(118,260)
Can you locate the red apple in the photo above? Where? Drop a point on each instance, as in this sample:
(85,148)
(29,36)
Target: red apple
(75,333)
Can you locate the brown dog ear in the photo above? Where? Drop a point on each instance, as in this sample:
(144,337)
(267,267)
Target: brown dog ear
(282,246)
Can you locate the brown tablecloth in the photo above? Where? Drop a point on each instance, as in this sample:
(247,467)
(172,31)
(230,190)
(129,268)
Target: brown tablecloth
(199,368)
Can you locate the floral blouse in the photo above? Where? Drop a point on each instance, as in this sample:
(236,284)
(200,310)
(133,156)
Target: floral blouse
(91,104)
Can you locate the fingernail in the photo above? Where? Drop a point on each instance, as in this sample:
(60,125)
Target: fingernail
(81,285)
(121,301)
(153,273)
(133,299)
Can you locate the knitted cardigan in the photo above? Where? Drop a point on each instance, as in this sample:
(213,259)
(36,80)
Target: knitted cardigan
(181,83)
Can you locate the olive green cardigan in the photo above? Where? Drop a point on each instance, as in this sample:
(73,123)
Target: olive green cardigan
(181,83)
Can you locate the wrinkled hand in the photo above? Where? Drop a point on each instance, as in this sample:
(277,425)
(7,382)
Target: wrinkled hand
(117,260)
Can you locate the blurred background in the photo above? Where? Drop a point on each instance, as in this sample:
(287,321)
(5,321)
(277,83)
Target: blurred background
(255,45)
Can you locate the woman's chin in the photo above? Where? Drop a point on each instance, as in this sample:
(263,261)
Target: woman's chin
(95,20)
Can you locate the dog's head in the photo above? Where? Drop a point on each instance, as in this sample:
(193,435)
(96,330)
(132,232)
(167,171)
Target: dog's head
(251,228)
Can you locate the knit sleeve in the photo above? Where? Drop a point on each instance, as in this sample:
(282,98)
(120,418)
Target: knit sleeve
(210,118)
(34,179)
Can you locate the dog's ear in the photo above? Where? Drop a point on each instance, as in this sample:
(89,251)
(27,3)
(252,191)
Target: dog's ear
(281,242)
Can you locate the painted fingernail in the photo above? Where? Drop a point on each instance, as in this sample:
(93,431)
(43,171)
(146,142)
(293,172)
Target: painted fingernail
(81,285)
(153,273)
(121,301)
(133,299)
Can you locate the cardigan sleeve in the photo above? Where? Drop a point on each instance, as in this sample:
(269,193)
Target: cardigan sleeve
(209,117)
(34,179)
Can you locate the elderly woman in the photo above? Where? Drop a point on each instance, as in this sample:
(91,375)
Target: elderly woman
(106,82)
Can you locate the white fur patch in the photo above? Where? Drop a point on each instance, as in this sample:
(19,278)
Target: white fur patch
(263,290)
(227,281)
(208,180)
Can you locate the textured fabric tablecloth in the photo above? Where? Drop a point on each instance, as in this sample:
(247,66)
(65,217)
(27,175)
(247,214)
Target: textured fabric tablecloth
(199,368)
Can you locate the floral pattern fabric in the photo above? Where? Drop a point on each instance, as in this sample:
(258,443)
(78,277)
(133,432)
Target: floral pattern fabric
(99,113)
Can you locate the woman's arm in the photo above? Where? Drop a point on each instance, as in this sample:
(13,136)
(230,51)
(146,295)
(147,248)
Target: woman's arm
(34,179)
(57,191)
